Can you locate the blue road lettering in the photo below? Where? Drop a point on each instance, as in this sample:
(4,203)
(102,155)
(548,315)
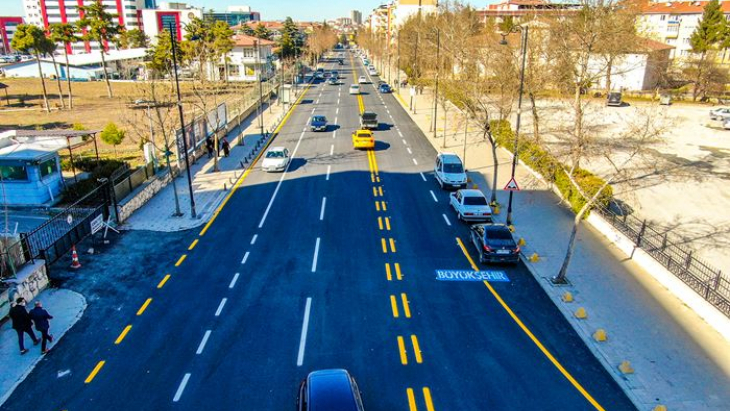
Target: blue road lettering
(468,275)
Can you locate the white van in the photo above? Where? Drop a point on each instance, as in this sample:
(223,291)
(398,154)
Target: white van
(449,171)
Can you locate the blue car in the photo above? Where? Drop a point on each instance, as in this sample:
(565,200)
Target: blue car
(384,88)
(329,390)
(318,123)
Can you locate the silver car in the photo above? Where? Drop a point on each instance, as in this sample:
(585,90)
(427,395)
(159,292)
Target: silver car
(276,159)
(720,113)
(471,205)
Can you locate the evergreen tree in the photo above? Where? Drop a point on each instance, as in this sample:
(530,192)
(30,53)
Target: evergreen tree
(113,135)
(101,27)
(711,29)
(67,34)
(262,32)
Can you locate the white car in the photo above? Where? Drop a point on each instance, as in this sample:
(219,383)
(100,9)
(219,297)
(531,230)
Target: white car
(354,89)
(720,113)
(372,71)
(449,171)
(362,80)
(276,159)
(471,205)
(726,123)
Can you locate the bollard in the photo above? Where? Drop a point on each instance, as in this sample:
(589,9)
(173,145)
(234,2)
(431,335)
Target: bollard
(534,258)
(224,187)
(521,242)
(659,407)
(625,367)
(241,163)
(581,313)
(495,209)
(600,335)
(475,186)
(567,297)
(511,228)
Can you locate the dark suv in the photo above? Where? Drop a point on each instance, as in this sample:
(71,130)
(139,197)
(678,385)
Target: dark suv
(329,390)
(495,244)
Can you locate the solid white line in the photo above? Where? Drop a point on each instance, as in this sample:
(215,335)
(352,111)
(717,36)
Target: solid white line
(404,141)
(316,255)
(409,150)
(415,162)
(233,281)
(253,240)
(245,257)
(434,196)
(321,211)
(447,220)
(281,180)
(181,388)
(201,347)
(305,328)
(332,149)
(328,173)
(422,176)
(220,307)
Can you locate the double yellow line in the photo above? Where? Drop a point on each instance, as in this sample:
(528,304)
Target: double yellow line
(373,167)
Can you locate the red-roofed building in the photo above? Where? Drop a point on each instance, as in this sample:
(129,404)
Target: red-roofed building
(249,60)
(521,10)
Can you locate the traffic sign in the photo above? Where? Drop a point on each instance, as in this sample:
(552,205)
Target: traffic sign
(97,223)
(512,185)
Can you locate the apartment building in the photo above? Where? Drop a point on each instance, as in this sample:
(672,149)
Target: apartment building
(173,16)
(7,30)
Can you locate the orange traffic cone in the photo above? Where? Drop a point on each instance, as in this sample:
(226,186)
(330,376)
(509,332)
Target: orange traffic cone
(74,258)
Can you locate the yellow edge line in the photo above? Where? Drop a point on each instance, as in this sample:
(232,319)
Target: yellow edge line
(532,337)
(194,243)
(144,306)
(180,260)
(416,349)
(402,350)
(94,372)
(427,397)
(123,334)
(394,306)
(411,400)
(406,308)
(246,173)
(380,222)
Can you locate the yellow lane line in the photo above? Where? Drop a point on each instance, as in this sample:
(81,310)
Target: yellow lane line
(144,306)
(377,206)
(385,247)
(180,261)
(406,308)
(95,371)
(387,272)
(372,177)
(427,397)
(256,159)
(377,179)
(383,206)
(416,349)
(375,159)
(380,222)
(392,245)
(360,103)
(370,161)
(532,337)
(123,334)
(195,242)
(411,400)
(387,223)
(394,305)
(375,192)
(380,190)
(402,350)
(398,274)
(163,281)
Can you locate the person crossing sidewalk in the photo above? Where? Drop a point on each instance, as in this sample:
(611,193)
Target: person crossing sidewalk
(40,318)
(22,324)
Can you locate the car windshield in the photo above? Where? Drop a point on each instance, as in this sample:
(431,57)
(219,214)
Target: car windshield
(475,201)
(275,154)
(319,119)
(369,116)
(500,237)
(363,135)
(453,168)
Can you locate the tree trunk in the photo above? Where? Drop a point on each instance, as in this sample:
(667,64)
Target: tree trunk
(535,118)
(106,72)
(578,127)
(495,160)
(58,82)
(698,78)
(43,82)
(68,81)
(609,69)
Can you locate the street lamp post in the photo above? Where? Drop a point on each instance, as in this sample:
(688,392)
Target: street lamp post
(261,89)
(524,30)
(182,124)
(436,94)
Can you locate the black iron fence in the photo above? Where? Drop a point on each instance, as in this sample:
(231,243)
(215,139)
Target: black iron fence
(12,256)
(667,248)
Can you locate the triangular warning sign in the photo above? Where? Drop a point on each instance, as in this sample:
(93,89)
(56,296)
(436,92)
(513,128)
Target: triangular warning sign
(512,185)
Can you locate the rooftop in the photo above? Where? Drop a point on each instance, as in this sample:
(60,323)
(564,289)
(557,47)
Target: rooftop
(681,7)
(242,40)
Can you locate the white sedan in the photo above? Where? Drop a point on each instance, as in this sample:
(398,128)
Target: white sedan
(276,159)
(362,80)
(721,113)
(471,205)
(354,89)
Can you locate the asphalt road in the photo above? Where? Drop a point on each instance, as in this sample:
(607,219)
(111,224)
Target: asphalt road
(329,265)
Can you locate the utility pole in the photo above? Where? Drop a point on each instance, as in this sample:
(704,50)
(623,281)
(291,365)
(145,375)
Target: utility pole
(261,87)
(436,94)
(193,214)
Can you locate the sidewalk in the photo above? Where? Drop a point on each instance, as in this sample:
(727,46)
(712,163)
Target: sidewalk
(66,307)
(209,187)
(679,360)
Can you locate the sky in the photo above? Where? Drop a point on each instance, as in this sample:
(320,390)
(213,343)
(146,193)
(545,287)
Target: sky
(306,10)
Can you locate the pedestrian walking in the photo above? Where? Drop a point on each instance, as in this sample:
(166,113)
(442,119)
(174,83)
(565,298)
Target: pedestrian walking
(209,146)
(22,324)
(40,318)
(226,147)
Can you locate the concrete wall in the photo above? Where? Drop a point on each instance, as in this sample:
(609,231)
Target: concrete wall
(140,197)
(31,280)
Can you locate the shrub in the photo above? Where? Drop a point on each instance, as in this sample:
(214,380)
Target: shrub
(104,169)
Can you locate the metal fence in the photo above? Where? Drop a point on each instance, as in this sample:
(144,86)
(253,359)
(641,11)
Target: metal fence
(126,183)
(12,256)
(667,248)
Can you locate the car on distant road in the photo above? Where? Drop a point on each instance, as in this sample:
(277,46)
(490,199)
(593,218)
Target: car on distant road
(369,120)
(332,81)
(276,159)
(318,123)
(340,62)
(449,171)
(372,71)
(362,80)
(335,74)
(384,88)
(614,99)
(470,205)
(726,123)
(720,113)
(495,243)
(363,139)
(354,89)
(329,390)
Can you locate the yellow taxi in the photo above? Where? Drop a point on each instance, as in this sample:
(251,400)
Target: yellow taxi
(363,139)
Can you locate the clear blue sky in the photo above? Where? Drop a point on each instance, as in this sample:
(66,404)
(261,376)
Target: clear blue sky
(307,10)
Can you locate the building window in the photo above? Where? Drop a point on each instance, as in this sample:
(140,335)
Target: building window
(14,173)
(248,53)
(48,167)
(234,70)
(663,17)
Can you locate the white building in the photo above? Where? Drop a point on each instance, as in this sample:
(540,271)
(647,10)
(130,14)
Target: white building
(86,66)
(168,14)
(404,9)
(244,63)
(641,69)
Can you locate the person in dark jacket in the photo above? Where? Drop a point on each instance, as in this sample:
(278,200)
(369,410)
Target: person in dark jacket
(22,324)
(226,147)
(40,318)
(209,147)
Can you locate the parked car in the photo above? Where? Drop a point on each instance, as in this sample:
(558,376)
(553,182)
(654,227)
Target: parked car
(354,89)
(372,71)
(363,139)
(362,80)
(369,120)
(318,123)
(335,74)
(384,88)
(449,171)
(614,99)
(329,390)
(276,159)
(720,113)
(726,123)
(340,62)
(471,205)
(495,244)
